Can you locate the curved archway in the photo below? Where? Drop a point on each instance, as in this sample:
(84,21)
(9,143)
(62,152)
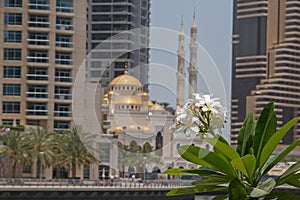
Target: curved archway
(133,143)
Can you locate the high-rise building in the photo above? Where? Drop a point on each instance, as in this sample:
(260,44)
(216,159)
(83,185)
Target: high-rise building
(266,61)
(42,47)
(106,20)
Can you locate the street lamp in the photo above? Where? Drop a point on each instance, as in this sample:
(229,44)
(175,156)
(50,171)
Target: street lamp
(41,165)
(144,158)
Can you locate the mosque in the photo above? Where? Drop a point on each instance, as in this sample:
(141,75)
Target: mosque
(131,121)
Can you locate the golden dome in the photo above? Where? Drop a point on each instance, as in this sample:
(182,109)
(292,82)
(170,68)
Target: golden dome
(126,79)
(145,94)
(110,92)
(128,100)
(146,129)
(106,95)
(150,103)
(132,127)
(118,129)
(157,107)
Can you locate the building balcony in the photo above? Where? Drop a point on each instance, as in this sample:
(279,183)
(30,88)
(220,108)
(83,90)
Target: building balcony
(36,112)
(63,44)
(63,79)
(63,96)
(106,124)
(62,113)
(64,27)
(35,24)
(64,9)
(37,77)
(36,59)
(63,61)
(37,95)
(38,42)
(38,6)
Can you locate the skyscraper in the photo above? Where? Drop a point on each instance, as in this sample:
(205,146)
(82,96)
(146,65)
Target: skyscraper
(106,19)
(42,47)
(266,61)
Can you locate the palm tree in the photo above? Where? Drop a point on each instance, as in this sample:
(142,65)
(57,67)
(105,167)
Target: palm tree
(16,147)
(76,149)
(42,147)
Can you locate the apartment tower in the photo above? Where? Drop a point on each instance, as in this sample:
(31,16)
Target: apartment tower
(106,20)
(42,47)
(266,61)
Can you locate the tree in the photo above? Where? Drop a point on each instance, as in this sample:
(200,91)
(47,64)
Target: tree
(16,147)
(42,145)
(76,149)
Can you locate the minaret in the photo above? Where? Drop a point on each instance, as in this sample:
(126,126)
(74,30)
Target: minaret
(193,59)
(180,71)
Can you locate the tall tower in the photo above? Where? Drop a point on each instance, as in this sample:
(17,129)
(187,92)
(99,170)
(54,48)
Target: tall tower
(106,20)
(42,45)
(193,59)
(265,64)
(180,71)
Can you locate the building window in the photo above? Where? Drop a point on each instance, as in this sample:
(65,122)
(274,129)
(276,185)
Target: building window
(64,6)
(27,169)
(61,125)
(86,172)
(11,72)
(64,23)
(12,18)
(12,54)
(11,89)
(62,110)
(13,36)
(33,122)
(38,4)
(37,91)
(37,56)
(38,74)
(64,41)
(38,21)
(105,149)
(63,75)
(63,58)
(37,38)
(38,109)
(11,107)
(13,3)
(62,92)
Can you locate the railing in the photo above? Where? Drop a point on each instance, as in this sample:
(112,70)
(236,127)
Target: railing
(62,113)
(37,94)
(37,77)
(38,42)
(64,27)
(38,24)
(107,183)
(64,44)
(63,79)
(63,61)
(36,112)
(37,59)
(64,9)
(38,6)
(63,96)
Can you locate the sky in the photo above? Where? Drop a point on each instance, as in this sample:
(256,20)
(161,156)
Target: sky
(214,22)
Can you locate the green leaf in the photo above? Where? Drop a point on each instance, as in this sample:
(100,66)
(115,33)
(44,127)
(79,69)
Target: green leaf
(195,189)
(245,136)
(265,128)
(270,146)
(203,156)
(245,164)
(294,180)
(272,161)
(221,197)
(237,190)
(288,173)
(209,181)
(218,143)
(282,196)
(264,188)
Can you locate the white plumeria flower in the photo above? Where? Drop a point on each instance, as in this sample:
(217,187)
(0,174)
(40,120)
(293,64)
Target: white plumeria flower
(201,115)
